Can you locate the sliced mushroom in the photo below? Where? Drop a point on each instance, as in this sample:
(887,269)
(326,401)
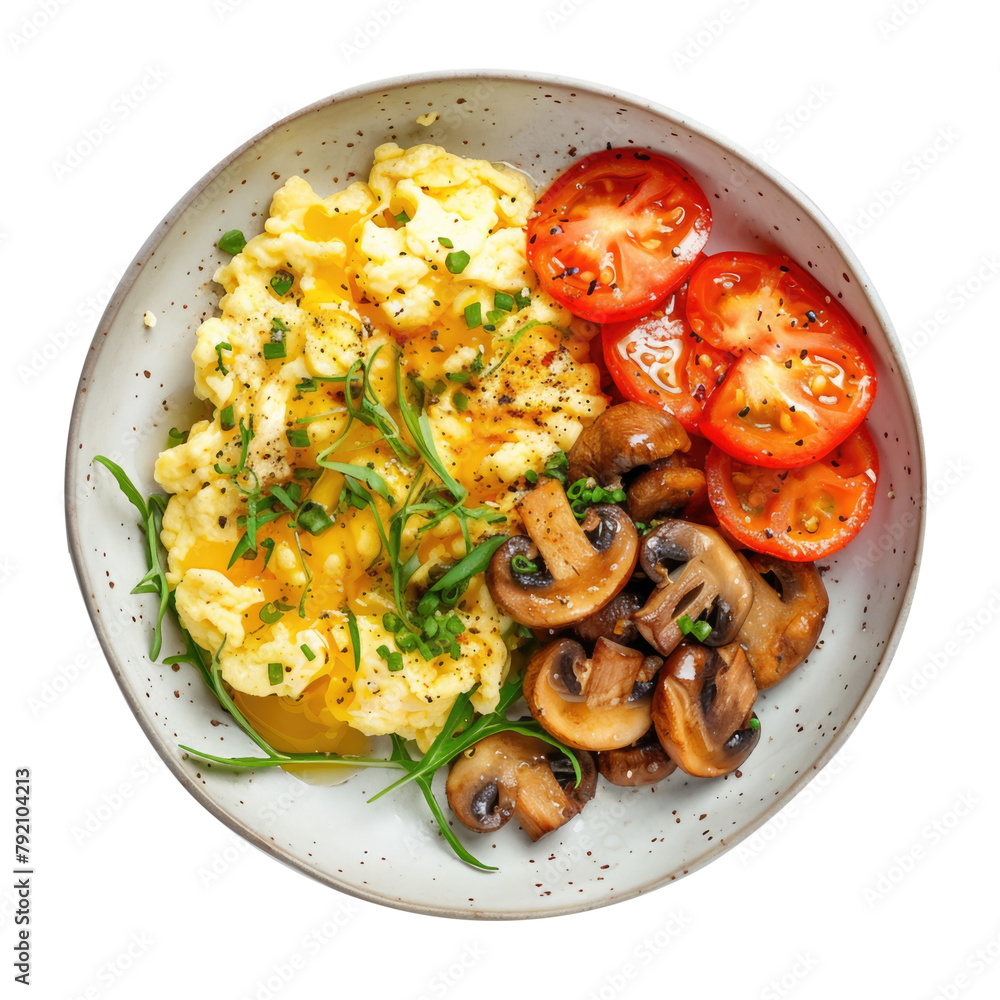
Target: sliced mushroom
(576,568)
(666,490)
(703,709)
(509,774)
(783,625)
(614,620)
(696,574)
(623,438)
(642,763)
(600,703)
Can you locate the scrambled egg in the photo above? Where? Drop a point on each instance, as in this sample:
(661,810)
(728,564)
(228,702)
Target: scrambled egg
(426,259)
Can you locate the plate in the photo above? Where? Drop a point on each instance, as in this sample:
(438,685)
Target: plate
(136,384)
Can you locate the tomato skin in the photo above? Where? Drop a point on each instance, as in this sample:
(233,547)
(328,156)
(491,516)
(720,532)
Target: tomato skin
(616,232)
(803,379)
(658,360)
(772,510)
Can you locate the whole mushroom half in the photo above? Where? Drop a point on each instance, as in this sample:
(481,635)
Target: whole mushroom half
(696,574)
(601,702)
(644,762)
(703,709)
(623,438)
(561,571)
(784,624)
(509,774)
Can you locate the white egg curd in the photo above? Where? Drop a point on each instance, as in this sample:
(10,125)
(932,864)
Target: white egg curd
(382,375)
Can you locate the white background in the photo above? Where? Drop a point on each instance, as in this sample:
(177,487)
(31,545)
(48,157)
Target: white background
(882,877)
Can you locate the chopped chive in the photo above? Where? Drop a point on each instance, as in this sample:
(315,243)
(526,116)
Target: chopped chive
(458,376)
(219,348)
(457,261)
(227,418)
(428,604)
(473,315)
(522,299)
(309,654)
(176,437)
(461,401)
(406,640)
(298,438)
(391,622)
(754,723)
(501,300)
(395,661)
(701,630)
(430,627)
(352,628)
(522,564)
(274,673)
(402,218)
(494,316)
(268,545)
(275,349)
(278,326)
(232,242)
(306,385)
(282,283)
(445,242)
(272,611)
(531,476)
(314,518)
(455,625)
(383,651)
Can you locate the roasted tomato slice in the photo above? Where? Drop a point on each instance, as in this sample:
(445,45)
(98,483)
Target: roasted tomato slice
(802,382)
(798,514)
(617,232)
(658,360)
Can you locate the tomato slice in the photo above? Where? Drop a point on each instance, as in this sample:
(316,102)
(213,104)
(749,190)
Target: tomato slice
(802,381)
(618,231)
(798,514)
(658,360)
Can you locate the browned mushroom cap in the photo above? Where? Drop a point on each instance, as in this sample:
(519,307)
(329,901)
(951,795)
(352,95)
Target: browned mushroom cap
(784,624)
(696,574)
(591,704)
(643,763)
(614,620)
(622,438)
(703,709)
(509,774)
(578,568)
(666,490)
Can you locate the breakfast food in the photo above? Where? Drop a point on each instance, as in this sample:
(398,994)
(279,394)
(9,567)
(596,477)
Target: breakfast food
(410,503)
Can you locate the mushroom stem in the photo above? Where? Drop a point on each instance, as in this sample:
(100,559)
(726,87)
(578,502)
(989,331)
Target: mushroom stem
(560,539)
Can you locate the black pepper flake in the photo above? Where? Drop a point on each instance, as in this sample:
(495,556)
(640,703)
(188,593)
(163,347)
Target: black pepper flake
(799,443)
(745,411)
(592,287)
(803,354)
(788,363)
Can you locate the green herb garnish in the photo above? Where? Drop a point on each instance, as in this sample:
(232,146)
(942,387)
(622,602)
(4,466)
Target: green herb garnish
(298,438)
(275,349)
(473,315)
(282,283)
(274,673)
(700,629)
(457,261)
(232,242)
(445,242)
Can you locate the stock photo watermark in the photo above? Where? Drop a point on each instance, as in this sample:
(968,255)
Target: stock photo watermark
(912,169)
(980,960)
(113,969)
(311,945)
(754,846)
(931,836)
(121,108)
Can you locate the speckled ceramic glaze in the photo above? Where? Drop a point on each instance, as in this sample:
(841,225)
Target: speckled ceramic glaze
(136,384)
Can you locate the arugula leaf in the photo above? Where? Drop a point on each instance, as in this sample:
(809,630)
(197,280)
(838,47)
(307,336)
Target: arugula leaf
(460,732)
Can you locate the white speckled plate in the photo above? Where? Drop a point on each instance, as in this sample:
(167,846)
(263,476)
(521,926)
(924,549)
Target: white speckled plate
(136,384)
